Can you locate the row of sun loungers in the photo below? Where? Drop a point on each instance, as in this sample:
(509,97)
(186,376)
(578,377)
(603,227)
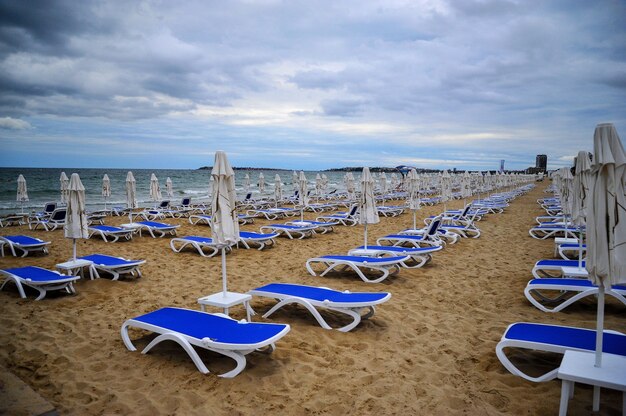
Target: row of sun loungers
(552,291)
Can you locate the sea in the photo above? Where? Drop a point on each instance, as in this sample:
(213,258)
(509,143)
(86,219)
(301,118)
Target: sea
(44,185)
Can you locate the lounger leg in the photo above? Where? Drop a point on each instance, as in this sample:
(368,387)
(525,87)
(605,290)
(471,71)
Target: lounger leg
(239,358)
(183,343)
(356,318)
(20,289)
(304,303)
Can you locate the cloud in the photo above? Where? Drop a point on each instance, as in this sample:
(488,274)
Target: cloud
(14,124)
(424,79)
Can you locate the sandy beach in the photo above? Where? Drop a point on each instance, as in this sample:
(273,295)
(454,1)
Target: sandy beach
(430,350)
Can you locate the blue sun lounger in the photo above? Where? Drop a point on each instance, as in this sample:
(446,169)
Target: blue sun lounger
(258,239)
(321,227)
(554,338)
(114,265)
(159,228)
(385,265)
(569,291)
(541,232)
(23,243)
(214,332)
(204,245)
(351,304)
(571,251)
(418,256)
(543,268)
(291,231)
(109,233)
(39,279)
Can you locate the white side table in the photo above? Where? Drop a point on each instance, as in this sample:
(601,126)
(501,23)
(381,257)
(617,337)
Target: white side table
(563,240)
(231,299)
(72,267)
(132,226)
(578,367)
(574,272)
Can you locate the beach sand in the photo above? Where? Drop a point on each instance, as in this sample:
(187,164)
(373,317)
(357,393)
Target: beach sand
(430,350)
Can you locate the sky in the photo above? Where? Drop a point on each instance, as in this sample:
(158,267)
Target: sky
(308,84)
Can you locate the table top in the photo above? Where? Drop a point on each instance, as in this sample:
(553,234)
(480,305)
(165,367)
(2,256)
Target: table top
(218,299)
(564,240)
(578,366)
(74,263)
(574,272)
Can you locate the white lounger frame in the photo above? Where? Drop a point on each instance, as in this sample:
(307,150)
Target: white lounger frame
(26,248)
(386,268)
(532,293)
(352,309)
(42,287)
(213,249)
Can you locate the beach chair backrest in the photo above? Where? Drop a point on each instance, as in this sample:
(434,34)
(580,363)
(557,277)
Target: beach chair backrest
(50,207)
(58,215)
(353,210)
(164,204)
(433,227)
(248,196)
(186,201)
(465,210)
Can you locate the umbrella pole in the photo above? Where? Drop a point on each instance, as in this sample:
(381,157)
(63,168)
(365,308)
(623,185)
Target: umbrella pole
(365,236)
(580,248)
(414,219)
(600,325)
(224,270)
(74,248)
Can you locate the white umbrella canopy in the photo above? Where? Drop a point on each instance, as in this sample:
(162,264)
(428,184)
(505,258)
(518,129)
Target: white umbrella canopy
(246,183)
(169,188)
(319,184)
(22,191)
(261,182)
(224,221)
(294,181)
(278,189)
(566,188)
(414,194)
(580,191)
(64,185)
(466,186)
(349,179)
(155,189)
(303,197)
(76,218)
(446,188)
(131,194)
(106,189)
(324,181)
(606,219)
(368,213)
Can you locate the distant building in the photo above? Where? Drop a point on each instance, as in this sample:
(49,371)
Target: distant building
(542,163)
(501,165)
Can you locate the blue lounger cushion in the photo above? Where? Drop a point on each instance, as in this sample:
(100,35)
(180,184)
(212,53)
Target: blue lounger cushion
(558,263)
(217,333)
(321,294)
(23,240)
(362,259)
(105,260)
(154,224)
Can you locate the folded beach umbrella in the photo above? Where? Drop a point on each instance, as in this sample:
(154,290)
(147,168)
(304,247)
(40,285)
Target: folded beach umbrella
(169,187)
(64,185)
(278,189)
(22,191)
(466,186)
(394,181)
(368,213)
(224,221)
(76,218)
(606,219)
(131,194)
(324,182)
(580,192)
(261,182)
(383,185)
(414,194)
(319,185)
(294,181)
(446,188)
(155,189)
(350,185)
(303,197)
(246,183)
(106,189)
